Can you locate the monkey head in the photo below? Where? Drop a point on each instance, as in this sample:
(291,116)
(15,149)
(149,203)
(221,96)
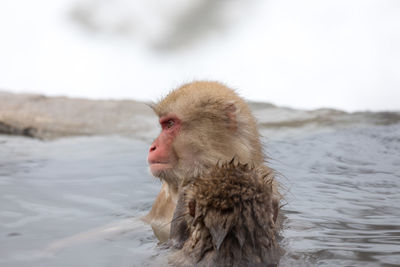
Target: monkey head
(202,123)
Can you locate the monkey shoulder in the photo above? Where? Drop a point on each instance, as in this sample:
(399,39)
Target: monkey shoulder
(226,218)
(230,186)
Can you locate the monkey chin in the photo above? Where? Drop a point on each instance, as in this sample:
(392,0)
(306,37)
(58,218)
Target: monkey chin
(159,169)
(165,172)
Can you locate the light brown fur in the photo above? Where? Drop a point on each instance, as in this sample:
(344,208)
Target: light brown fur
(216,126)
(217,122)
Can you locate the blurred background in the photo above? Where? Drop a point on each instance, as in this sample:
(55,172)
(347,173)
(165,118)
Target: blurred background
(301,54)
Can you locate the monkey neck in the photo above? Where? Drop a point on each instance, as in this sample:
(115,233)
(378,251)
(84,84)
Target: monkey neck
(172,191)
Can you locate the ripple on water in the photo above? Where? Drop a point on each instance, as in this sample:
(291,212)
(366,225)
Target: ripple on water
(344,187)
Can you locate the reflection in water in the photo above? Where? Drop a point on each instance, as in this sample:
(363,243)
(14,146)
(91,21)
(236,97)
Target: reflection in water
(342,189)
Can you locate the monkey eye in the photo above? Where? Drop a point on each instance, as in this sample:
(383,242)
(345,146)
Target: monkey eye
(169,124)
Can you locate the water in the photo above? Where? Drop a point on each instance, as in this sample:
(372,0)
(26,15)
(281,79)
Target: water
(343,195)
(53,190)
(342,189)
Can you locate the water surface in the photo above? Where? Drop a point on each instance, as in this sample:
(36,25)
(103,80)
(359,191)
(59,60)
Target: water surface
(342,189)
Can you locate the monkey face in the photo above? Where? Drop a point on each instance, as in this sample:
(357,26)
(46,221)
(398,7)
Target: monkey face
(162,157)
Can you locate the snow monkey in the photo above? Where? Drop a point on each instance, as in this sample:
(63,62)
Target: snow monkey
(208,155)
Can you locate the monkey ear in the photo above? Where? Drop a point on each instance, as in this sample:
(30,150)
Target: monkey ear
(231,112)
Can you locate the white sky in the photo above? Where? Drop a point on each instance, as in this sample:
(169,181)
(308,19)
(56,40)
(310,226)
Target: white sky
(304,54)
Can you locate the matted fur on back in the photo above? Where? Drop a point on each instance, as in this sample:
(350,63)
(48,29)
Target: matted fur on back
(225,218)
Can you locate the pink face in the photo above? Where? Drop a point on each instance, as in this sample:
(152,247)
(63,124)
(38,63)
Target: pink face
(161,156)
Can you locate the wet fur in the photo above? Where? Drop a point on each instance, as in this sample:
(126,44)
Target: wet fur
(226,218)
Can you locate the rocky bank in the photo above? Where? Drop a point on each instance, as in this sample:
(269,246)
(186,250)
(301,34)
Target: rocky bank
(44,117)
(52,117)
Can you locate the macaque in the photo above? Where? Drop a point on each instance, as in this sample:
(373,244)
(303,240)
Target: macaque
(203,124)
(225,218)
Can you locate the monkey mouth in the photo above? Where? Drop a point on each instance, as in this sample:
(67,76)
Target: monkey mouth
(158,165)
(158,162)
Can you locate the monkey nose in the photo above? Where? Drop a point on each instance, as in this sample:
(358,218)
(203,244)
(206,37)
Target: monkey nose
(152,148)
